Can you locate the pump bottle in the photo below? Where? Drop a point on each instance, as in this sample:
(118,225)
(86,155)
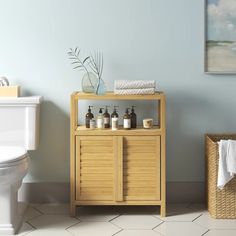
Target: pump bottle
(114,119)
(133,118)
(100,119)
(126,119)
(106,119)
(89,116)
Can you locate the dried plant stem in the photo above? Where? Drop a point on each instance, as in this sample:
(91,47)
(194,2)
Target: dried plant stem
(96,65)
(75,57)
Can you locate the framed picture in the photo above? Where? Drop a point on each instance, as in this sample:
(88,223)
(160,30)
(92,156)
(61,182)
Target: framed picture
(220,36)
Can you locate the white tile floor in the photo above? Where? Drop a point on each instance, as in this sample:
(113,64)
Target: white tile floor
(182,220)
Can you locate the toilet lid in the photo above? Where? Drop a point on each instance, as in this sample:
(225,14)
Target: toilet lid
(11,154)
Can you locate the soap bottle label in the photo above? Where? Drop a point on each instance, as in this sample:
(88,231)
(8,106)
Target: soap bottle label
(99,123)
(106,120)
(92,124)
(127,124)
(114,123)
(87,123)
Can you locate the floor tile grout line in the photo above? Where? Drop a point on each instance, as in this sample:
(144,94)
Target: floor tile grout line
(72,225)
(37,210)
(205,232)
(118,228)
(117,232)
(31,230)
(31,224)
(194,221)
(33,218)
(115,218)
(115,225)
(197,217)
(158,225)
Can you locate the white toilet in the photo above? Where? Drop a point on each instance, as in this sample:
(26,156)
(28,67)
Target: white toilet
(19,132)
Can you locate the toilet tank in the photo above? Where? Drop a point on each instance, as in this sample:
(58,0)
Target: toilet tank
(19,121)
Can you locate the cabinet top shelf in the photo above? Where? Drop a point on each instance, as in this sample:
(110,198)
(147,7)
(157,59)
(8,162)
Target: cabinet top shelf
(82,130)
(111,96)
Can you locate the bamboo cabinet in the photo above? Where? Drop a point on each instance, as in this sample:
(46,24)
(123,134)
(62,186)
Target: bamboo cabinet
(122,167)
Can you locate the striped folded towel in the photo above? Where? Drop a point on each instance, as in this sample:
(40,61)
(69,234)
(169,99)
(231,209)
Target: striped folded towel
(134,91)
(134,84)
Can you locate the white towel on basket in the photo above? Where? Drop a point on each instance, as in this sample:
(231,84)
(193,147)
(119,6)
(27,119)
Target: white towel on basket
(231,157)
(134,84)
(227,162)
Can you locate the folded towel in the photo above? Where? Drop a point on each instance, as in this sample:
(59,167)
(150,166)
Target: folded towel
(227,162)
(134,84)
(223,175)
(134,91)
(231,157)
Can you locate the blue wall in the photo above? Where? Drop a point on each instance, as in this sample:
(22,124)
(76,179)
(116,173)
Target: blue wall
(140,39)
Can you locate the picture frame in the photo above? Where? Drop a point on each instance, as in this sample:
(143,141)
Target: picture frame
(220,37)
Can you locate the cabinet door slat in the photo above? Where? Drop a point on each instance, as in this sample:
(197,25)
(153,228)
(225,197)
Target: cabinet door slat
(96,149)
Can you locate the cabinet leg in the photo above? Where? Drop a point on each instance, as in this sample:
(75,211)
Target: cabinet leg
(72,210)
(163,210)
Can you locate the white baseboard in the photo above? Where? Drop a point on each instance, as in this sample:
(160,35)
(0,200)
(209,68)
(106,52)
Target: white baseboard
(177,192)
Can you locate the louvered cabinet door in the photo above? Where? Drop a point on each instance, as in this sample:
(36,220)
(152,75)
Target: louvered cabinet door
(95,168)
(141,168)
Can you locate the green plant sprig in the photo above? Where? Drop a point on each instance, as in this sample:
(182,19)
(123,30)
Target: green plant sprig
(74,56)
(78,63)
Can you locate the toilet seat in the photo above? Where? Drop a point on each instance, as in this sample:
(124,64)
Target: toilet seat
(11,154)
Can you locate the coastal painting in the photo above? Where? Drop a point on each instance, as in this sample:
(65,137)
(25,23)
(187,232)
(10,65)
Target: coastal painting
(220,43)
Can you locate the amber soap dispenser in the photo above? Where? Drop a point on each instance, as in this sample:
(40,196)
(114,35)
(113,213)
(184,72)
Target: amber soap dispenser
(89,116)
(114,119)
(106,119)
(126,120)
(133,118)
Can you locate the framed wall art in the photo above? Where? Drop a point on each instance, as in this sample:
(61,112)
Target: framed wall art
(220,36)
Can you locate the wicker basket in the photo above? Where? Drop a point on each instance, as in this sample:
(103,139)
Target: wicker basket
(221,203)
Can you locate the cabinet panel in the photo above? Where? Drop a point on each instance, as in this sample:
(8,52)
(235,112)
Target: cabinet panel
(95,168)
(117,168)
(141,168)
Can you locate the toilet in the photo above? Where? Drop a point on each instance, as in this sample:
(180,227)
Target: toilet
(19,132)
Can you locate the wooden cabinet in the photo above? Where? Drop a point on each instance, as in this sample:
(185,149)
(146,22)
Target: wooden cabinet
(123,167)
